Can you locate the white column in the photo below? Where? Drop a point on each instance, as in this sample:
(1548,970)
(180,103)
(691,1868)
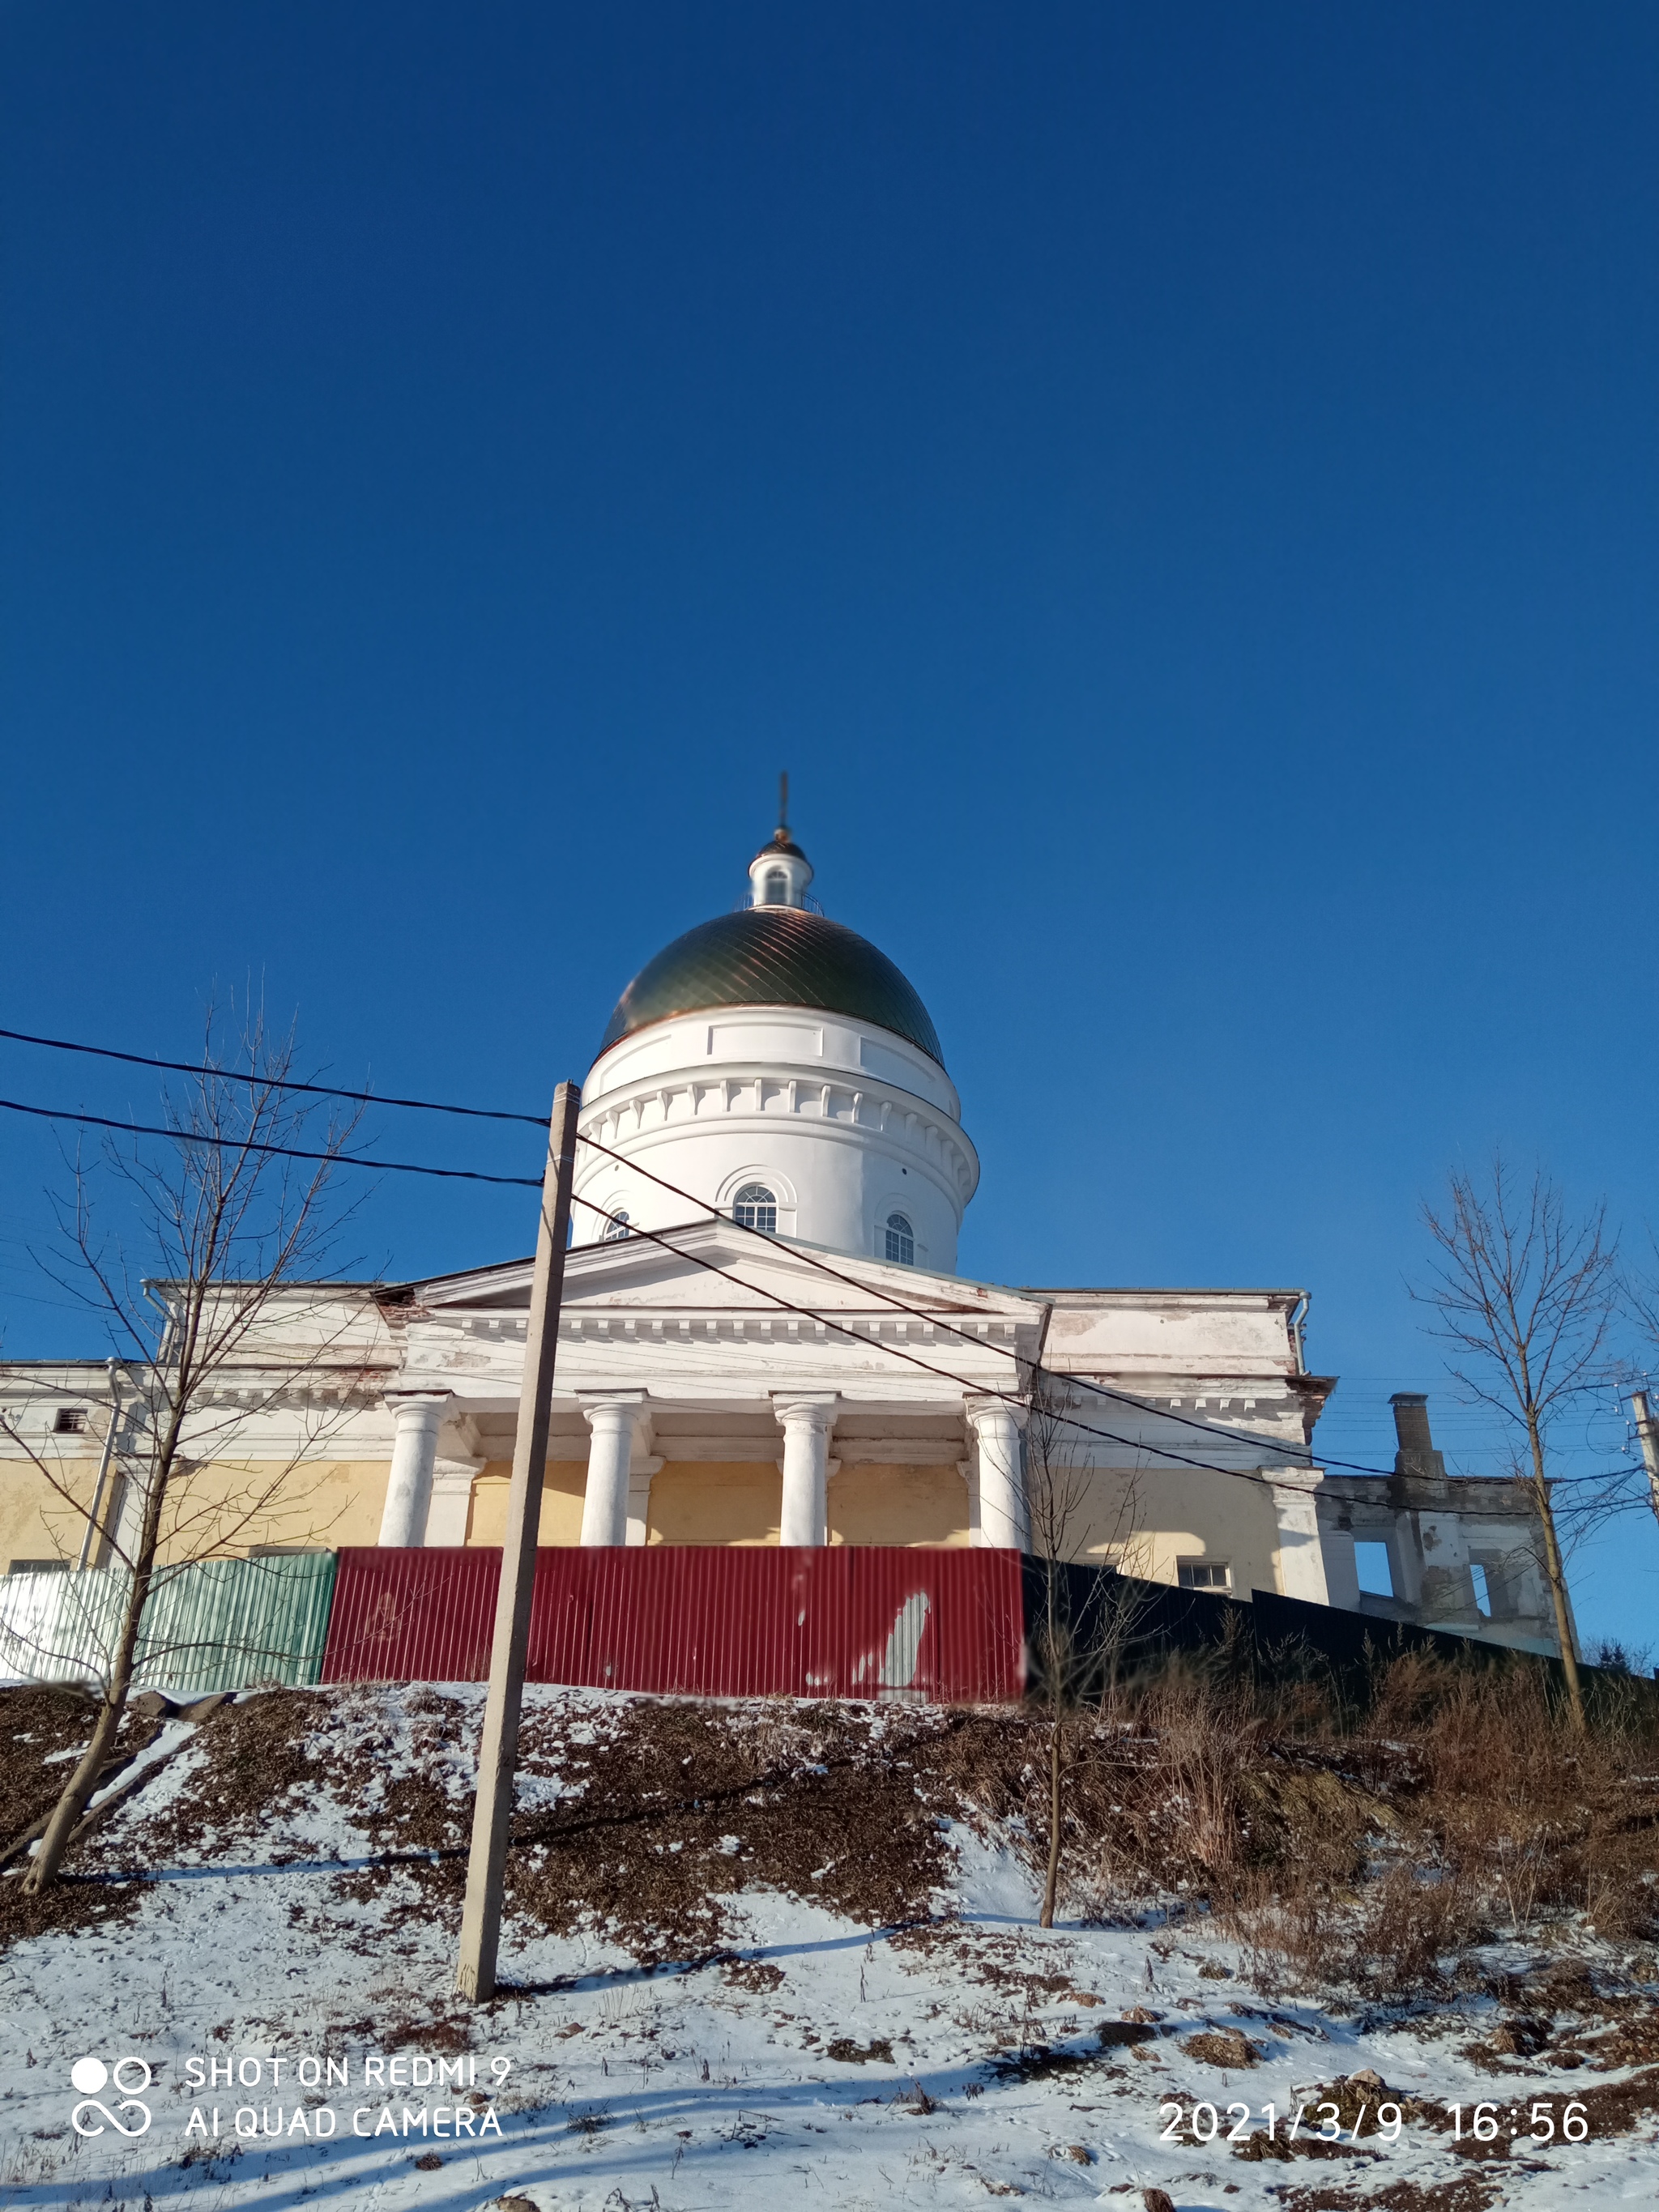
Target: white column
(418,1416)
(1003,1523)
(614,1417)
(807,1419)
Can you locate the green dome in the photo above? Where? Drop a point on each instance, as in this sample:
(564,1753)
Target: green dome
(773,956)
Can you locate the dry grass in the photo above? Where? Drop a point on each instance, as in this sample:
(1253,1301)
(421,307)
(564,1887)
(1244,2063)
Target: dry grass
(1365,1856)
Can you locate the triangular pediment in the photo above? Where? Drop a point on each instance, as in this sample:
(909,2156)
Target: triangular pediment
(716,1266)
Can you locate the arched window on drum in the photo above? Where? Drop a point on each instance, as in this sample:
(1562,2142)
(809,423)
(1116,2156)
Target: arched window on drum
(756,1207)
(616,1229)
(900,1240)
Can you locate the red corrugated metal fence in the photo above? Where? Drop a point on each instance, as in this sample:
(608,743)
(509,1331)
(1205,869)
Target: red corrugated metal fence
(712,1620)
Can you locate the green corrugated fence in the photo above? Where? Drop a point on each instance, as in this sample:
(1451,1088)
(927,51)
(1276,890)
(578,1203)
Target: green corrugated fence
(220,1625)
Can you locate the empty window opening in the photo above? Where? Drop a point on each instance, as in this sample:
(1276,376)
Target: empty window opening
(1371,1565)
(777,888)
(755,1207)
(72,1421)
(900,1240)
(1204,1574)
(1482,1594)
(616,1229)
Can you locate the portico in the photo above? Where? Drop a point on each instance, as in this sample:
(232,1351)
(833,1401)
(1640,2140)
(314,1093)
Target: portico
(684,1412)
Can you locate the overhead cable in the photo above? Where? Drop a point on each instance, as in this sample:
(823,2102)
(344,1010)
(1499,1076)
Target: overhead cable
(273,1083)
(1306,1455)
(1303,1453)
(774,1299)
(962,1381)
(1095,1390)
(982,1390)
(280,1152)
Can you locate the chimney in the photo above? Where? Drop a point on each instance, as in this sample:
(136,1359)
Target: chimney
(1417,1455)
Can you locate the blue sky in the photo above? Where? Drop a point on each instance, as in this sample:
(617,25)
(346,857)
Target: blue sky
(1177,487)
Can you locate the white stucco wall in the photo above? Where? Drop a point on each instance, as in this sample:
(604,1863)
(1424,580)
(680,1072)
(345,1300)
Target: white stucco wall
(845,1122)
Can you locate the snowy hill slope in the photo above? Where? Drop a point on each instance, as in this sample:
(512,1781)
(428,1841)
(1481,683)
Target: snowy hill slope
(755,1949)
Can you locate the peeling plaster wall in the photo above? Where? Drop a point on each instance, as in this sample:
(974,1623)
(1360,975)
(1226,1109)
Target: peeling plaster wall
(319,1504)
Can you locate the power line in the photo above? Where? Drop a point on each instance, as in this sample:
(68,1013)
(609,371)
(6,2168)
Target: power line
(774,1298)
(1302,1452)
(278,1152)
(1304,1455)
(977,1389)
(962,1381)
(274,1083)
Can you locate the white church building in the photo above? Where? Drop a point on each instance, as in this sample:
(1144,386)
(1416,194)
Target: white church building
(764,1340)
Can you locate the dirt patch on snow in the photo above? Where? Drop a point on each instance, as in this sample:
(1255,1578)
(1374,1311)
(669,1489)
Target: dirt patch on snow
(250,1768)
(1223,2046)
(633,1820)
(1468,2193)
(38,1722)
(685,1803)
(71,1902)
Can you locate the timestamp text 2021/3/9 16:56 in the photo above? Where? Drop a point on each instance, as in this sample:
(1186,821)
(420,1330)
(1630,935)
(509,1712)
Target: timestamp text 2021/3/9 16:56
(1546,2119)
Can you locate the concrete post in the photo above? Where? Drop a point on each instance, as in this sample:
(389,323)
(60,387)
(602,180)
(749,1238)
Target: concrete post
(806,1420)
(613,1417)
(1004,1520)
(498,1742)
(418,1415)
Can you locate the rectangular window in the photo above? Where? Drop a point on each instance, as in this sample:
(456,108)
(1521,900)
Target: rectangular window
(1204,1574)
(1371,1565)
(1482,1594)
(38,1567)
(72,1421)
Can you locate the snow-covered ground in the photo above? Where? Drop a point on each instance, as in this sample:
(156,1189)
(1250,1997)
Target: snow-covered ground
(810,2058)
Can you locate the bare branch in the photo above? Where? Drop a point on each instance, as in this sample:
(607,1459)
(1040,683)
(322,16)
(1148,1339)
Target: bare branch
(1525,1296)
(213,1342)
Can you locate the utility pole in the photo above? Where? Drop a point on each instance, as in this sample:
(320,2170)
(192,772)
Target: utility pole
(498,1748)
(1647,1429)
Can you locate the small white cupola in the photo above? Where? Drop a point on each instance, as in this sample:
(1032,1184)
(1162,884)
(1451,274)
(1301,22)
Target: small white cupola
(780,872)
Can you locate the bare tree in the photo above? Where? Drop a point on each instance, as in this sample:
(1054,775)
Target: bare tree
(230,1225)
(1525,1294)
(1082,1632)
